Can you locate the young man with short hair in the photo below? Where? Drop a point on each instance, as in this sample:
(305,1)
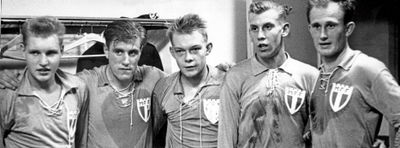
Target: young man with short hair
(49,108)
(263,99)
(120,110)
(189,99)
(120,113)
(353,90)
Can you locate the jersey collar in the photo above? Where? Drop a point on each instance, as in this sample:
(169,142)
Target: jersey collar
(257,68)
(347,61)
(214,77)
(26,88)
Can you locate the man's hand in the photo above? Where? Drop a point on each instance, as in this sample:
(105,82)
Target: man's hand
(9,79)
(225,66)
(379,144)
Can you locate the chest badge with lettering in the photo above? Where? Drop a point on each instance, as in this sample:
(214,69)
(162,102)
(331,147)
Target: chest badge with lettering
(294,99)
(143,107)
(340,96)
(211,108)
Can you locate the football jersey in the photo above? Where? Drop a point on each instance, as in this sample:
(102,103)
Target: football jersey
(347,105)
(191,124)
(120,122)
(263,107)
(28,121)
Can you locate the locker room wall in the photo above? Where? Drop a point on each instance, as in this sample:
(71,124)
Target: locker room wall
(226,19)
(376,33)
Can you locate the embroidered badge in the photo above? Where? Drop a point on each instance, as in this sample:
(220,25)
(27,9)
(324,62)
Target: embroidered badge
(72,118)
(211,108)
(340,95)
(294,99)
(143,106)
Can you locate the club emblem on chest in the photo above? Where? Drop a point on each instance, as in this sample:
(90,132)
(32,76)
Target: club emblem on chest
(143,107)
(294,99)
(340,96)
(211,108)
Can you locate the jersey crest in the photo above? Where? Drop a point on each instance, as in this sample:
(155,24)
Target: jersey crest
(72,118)
(340,96)
(143,107)
(294,99)
(211,109)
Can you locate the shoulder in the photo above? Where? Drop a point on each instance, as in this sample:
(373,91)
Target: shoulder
(73,79)
(7,97)
(303,69)
(90,74)
(217,74)
(367,65)
(240,70)
(5,94)
(164,85)
(168,80)
(151,72)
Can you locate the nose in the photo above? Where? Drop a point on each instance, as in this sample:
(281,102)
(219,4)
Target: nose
(260,35)
(323,35)
(188,57)
(44,60)
(125,59)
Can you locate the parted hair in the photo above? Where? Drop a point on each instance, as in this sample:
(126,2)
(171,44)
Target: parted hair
(125,31)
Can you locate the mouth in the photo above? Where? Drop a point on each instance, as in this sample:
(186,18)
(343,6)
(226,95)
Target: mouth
(189,67)
(43,71)
(262,46)
(324,45)
(125,69)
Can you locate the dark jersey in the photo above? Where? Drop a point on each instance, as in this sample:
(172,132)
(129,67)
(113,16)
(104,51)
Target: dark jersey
(120,122)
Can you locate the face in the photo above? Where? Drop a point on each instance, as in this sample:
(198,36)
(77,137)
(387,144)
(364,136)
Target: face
(42,57)
(190,51)
(123,59)
(266,33)
(328,30)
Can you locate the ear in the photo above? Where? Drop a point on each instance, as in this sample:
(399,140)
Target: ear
(21,46)
(106,50)
(209,47)
(350,28)
(285,29)
(171,50)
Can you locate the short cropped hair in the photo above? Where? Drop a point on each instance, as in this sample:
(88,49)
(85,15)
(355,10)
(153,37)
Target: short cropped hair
(348,7)
(262,6)
(124,30)
(43,27)
(188,24)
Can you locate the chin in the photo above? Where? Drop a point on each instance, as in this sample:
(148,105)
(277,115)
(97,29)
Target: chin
(125,78)
(190,74)
(42,78)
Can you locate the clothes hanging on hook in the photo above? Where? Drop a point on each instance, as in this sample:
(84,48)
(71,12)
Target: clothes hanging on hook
(14,48)
(83,44)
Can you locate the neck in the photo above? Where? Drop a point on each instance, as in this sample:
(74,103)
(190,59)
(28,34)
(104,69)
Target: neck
(195,80)
(116,82)
(273,62)
(330,63)
(46,86)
